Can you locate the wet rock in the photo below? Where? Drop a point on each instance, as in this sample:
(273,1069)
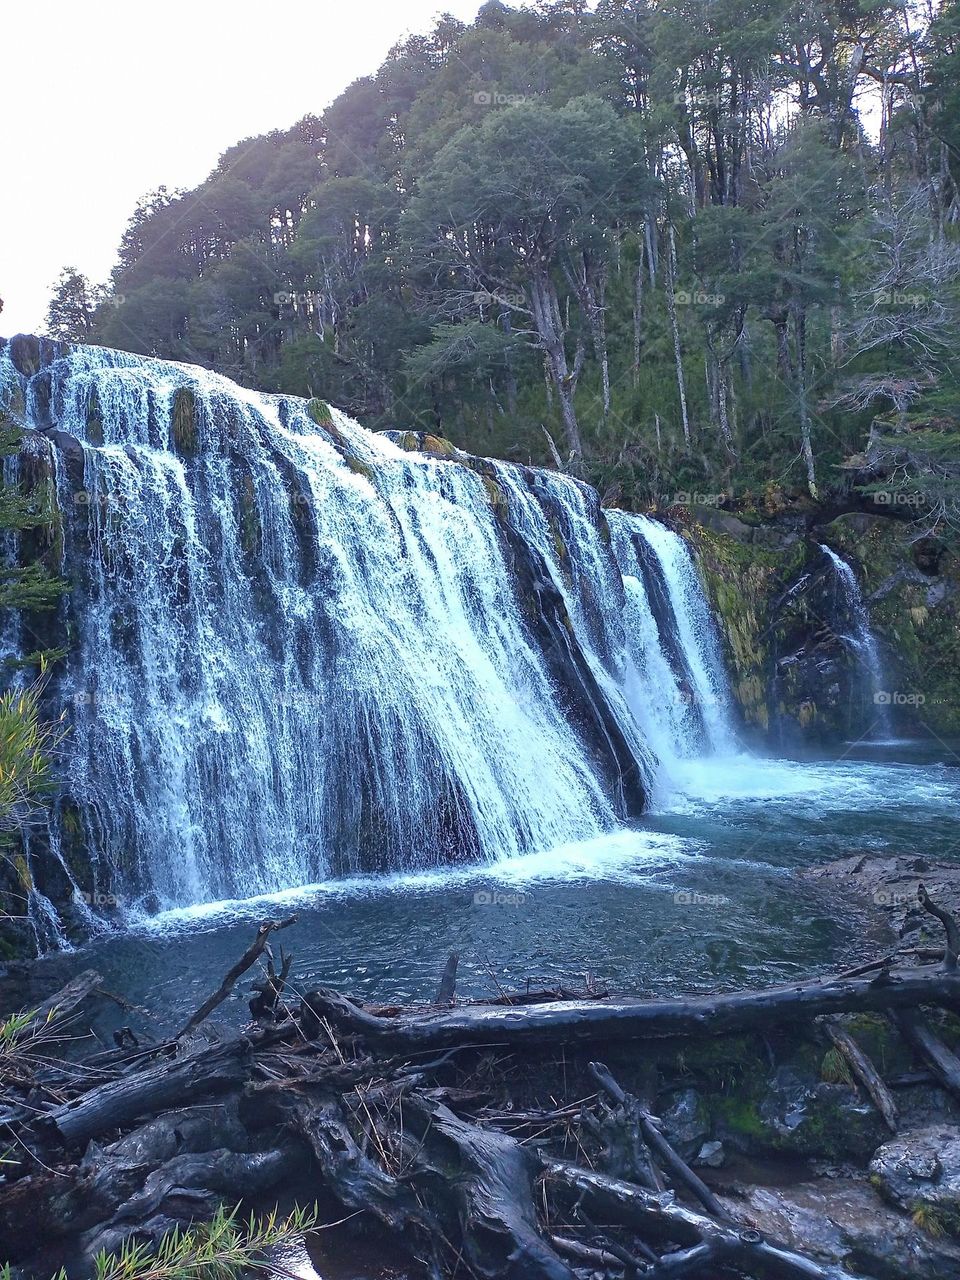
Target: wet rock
(29,353)
(800,1115)
(890,884)
(686,1125)
(711,1156)
(845,1222)
(920,1172)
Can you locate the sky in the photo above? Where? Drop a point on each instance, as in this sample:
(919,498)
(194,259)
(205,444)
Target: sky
(104,100)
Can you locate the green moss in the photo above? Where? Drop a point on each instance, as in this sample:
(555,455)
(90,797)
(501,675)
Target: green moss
(359,467)
(740,1116)
(319,412)
(183,422)
(741,580)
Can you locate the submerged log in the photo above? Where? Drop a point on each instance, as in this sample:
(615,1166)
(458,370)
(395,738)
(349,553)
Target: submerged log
(572,1021)
(62,1003)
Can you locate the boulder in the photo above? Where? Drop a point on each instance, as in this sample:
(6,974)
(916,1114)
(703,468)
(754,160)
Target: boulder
(844,1222)
(920,1172)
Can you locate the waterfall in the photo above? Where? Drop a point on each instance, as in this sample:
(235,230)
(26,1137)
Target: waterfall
(300,649)
(677,685)
(861,640)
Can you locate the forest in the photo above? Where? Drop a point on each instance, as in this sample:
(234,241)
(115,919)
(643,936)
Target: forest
(698,251)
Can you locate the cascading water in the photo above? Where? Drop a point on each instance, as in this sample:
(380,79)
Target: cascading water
(300,649)
(677,685)
(861,640)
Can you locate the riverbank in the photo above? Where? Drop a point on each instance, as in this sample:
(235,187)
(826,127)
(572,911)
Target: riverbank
(764,1118)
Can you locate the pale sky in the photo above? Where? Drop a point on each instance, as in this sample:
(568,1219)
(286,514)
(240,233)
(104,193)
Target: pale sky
(104,100)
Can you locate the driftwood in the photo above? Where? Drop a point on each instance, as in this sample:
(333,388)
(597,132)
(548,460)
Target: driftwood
(169,1084)
(660,1148)
(575,1021)
(660,1218)
(942,1062)
(950,926)
(863,1071)
(249,958)
(346,1099)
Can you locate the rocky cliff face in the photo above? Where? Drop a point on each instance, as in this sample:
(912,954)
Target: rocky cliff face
(798,669)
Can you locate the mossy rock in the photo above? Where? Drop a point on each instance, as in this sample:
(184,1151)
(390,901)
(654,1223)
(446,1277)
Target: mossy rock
(359,467)
(318,411)
(251,529)
(184,431)
(94,418)
(437,445)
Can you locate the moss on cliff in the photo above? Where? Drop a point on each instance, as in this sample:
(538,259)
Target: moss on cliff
(742,580)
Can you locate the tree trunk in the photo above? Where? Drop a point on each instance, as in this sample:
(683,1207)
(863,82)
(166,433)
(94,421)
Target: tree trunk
(546,313)
(677,352)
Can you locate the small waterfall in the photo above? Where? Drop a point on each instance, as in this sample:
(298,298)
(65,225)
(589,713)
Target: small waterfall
(300,649)
(677,685)
(862,641)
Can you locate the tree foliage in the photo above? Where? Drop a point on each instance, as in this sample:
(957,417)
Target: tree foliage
(674,236)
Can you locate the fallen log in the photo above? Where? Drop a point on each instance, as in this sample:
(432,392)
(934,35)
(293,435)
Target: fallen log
(658,1216)
(942,1062)
(168,1084)
(566,1021)
(864,1071)
(249,957)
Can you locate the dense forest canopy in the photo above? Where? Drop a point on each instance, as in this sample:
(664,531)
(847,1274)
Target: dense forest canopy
(694,246)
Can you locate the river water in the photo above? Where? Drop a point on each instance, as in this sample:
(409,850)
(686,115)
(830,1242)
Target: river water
(703,893)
